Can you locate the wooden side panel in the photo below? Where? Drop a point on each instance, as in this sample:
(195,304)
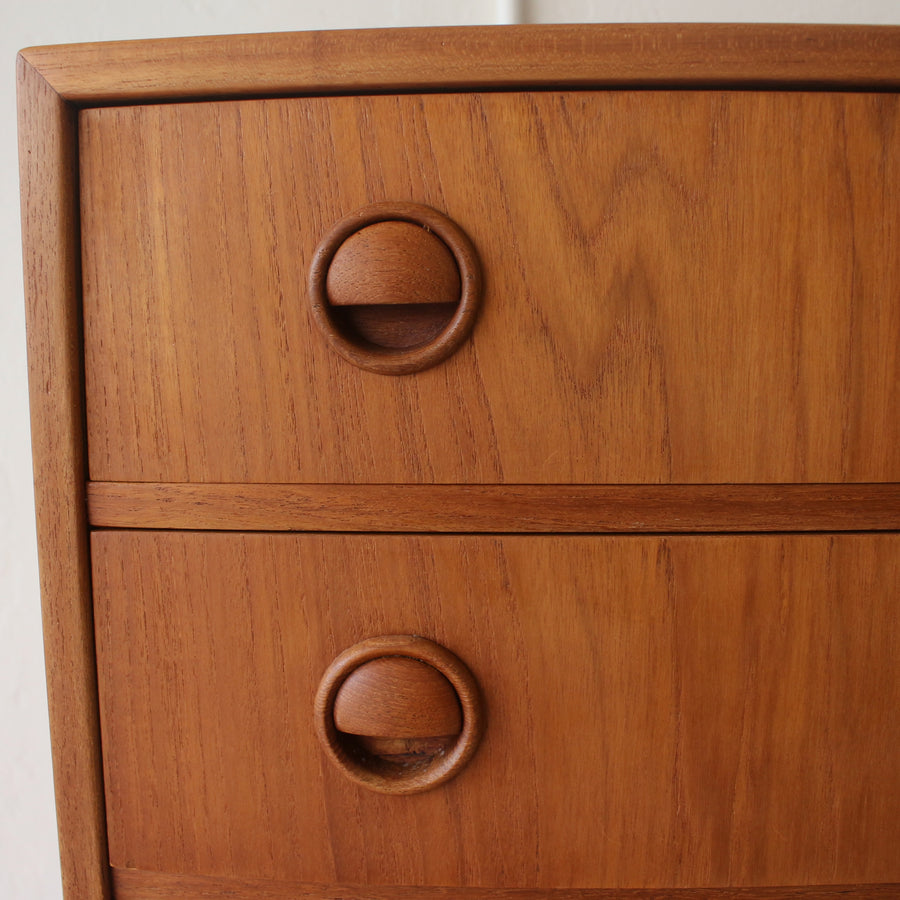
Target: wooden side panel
(680,287)
(48,167)
(662,712)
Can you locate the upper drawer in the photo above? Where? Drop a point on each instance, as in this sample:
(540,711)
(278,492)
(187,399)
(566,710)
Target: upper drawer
(679,287)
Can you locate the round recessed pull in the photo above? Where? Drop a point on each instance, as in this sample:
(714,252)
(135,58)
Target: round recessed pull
(399,714)
(395,287)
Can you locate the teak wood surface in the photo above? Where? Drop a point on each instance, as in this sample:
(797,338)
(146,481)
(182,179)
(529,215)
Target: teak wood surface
(395,59)
(55,82)
(50,233)
(679,287)
(690,711)
(495,508)
(134,884)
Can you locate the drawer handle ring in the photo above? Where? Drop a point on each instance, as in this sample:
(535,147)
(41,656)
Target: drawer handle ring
(399,714)
(395,287)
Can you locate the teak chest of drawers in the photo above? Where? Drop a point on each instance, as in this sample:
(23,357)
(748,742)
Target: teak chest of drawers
(467,461)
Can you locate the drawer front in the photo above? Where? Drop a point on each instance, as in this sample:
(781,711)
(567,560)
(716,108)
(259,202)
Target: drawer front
(678,287)
(661,711)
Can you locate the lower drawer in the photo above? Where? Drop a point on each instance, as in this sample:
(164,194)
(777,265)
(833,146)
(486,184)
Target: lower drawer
(661,711)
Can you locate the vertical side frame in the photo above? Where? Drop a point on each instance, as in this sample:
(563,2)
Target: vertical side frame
(48,159)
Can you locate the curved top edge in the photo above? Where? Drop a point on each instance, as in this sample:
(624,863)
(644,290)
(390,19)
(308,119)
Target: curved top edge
(470,58)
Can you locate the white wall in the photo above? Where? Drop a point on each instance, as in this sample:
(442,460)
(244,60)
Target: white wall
(28,855)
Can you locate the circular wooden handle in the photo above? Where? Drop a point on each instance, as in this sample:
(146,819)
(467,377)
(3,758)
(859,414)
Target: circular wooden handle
(395,287)
(399,714)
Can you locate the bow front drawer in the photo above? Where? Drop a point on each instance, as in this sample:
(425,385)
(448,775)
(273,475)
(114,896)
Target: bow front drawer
(662,712)
(680,287)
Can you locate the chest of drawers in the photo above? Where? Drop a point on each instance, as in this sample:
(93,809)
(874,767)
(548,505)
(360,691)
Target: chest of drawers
(525,396)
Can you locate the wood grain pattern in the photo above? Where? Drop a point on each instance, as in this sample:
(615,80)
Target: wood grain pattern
(396,339)
(392,262)
(471,58)
(47,140)
(490,508)
(132,884)
(661,712)
(393,766)
(728,705)
(393,327)
(679,287)
(397,697)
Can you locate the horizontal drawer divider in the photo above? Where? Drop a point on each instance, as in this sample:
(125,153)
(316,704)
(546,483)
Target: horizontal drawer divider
(494,507)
